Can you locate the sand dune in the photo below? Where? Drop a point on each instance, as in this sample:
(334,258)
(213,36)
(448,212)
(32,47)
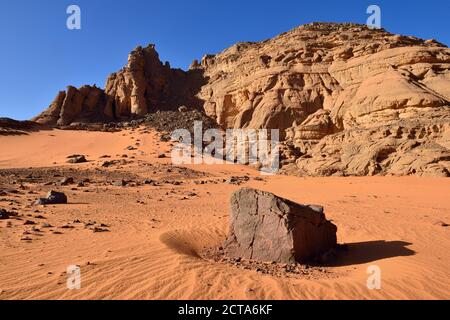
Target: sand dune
(156,233)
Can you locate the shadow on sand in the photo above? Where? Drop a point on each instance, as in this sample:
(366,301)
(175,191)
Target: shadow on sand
(370,251)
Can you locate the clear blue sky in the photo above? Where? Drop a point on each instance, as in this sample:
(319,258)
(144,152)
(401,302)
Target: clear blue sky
(39,56)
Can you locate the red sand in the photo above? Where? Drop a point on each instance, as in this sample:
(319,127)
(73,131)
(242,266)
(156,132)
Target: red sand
(151,249)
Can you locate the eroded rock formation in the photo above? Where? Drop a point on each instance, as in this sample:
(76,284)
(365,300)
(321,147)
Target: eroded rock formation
(144,85)
(348,100)
(85,104)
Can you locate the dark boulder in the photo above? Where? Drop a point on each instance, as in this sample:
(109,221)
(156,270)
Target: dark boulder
(5,214)
(53,197)
(77,159)
(66,181)
(268,228)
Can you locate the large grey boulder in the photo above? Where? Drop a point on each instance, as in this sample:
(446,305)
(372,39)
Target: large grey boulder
(268,228)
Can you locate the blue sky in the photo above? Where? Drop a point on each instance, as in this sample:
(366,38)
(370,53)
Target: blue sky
(39,56)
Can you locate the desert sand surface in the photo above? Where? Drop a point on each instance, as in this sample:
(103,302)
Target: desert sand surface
(155,233)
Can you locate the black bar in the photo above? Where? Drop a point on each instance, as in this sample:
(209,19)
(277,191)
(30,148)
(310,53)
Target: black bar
(221,309)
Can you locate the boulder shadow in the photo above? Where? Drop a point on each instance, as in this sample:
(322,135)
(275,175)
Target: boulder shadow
(370,251)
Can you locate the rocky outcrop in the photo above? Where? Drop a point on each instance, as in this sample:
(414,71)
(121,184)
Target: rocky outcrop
(348,100)
(347,69)
(144,85)
(267,228)
(85,104)
(416,146)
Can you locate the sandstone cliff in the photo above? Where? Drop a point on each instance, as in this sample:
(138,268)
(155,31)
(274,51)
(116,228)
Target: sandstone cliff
(144,85)
(348,100)
(351,101)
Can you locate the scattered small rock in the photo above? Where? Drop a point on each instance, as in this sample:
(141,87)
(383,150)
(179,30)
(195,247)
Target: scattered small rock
(5,214)
(165,138)
(183,109)
(53,197)
(150,182)
(442,224)
(89,223)
(107,164)
(66,181)
(237,180)
(120,183)
(76,159)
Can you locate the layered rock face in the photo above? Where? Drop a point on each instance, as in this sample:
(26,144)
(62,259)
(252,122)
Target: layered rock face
(144,85)
(267,228)
(85,104)
(350,100)
(415,146)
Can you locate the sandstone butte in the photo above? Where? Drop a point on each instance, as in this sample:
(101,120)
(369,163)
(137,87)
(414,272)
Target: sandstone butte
(348,100)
